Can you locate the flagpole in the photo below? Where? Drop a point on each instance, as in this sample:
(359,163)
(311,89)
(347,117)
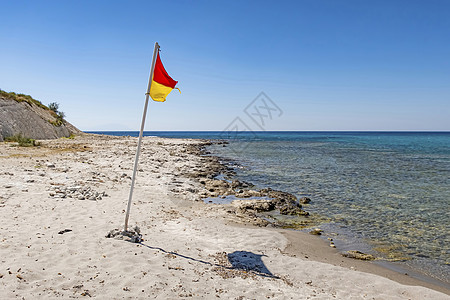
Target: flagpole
(138,150)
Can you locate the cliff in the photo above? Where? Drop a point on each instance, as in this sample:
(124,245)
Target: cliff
(21,114)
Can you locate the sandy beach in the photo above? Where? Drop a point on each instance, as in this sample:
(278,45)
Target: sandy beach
(58,201)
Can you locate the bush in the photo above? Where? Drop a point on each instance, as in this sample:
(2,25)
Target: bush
(54,106)
(71,137)
(22,141)
(59,115)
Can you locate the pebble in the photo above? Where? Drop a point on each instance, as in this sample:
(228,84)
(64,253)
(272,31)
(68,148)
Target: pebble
(76,192)
(316,231)
(304,200)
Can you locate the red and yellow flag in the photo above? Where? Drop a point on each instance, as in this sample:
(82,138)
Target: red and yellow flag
(162,83)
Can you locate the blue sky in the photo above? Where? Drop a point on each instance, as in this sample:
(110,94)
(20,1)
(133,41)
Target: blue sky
(328,65)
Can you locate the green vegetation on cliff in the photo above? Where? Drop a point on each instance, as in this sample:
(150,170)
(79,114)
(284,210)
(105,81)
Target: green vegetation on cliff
(52,107)
(22,97)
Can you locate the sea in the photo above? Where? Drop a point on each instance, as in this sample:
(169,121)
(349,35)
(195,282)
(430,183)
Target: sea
(384,193)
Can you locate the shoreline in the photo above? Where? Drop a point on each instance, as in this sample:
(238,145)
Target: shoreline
(400,274)
(396,271)
(190,249)
(315,248)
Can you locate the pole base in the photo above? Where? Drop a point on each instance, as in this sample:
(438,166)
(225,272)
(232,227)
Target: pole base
(132,235)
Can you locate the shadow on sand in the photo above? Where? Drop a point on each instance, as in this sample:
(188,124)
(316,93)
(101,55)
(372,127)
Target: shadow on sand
(239,260)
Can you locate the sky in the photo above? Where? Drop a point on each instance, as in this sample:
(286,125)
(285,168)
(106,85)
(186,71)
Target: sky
(324,64)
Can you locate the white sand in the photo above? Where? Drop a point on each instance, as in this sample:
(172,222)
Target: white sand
(187,245)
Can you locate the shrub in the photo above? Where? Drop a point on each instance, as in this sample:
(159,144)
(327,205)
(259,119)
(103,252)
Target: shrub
(54,106)
(71,137)
(22,141)
(59,115)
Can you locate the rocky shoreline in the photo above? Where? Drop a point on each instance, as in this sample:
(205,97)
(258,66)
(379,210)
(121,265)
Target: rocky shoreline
(218,181)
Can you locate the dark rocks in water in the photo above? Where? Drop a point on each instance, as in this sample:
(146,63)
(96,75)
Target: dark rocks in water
(236,184)
(285,202)
(282,197)
(358,255)
(250,193)
(257,205)
(292,210)
(316,231)
(211,172)
(304,200)
(260,222)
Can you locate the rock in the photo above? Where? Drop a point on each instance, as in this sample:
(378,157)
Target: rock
(304,200)
(255,205)
(260,222)
(50,165)
(77,192)
(292,210)
(239,184)
(358,255)
(74,188)
(250,193)
(30,120)
(316,231)
(280,196)
(132,235)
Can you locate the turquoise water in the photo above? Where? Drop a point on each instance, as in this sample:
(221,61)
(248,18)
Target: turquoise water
(388,190)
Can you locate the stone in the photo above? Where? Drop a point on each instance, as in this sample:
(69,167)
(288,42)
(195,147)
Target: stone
(132,235)
(358,255)
(255,205)
(316,231)
(292,210)
(304,200)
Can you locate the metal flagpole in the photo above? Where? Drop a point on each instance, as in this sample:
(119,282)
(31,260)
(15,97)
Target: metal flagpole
(138,150)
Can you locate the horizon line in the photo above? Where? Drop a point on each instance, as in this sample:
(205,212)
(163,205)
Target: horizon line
(87,131)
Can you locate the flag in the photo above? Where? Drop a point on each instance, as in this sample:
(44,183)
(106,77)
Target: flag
(162,83)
